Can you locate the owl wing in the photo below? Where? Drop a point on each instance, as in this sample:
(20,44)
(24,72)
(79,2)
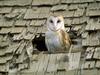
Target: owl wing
(65,38)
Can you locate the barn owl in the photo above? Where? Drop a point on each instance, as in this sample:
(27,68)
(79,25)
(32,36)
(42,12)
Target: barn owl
(56,38)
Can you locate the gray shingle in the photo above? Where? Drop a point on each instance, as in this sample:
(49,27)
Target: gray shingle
(93,24)
(45,2)
(12,48)
(17,30)
(23,66)
(84,1)
(6,23)
(79,12)
(98,64)
(17,12)
(93,12)
(5,10)
(37,23)
(22,23)
(89,65)
(59,8)
(65,14)
(2,51)
(97,53)
(4,59)
(93,6)
(91,40)
(21,47)
(84,35)
(32,13)
(90,72)
(36,13)
(3,68)
(5,30)
(15,2)
(3,44)
(66,1)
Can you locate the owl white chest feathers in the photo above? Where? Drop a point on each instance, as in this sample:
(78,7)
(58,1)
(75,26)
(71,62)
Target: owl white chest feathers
(56,38)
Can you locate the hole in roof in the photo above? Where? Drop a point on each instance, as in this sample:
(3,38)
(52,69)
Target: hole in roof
(3,14)
(11,35)
(0,28)
(39,42)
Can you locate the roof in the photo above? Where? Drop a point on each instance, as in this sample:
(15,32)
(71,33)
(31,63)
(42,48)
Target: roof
(21,20)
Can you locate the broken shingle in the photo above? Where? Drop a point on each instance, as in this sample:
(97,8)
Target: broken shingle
(21,47)
(4,59)
(11,15)
(84,35)
(59,8)
(23,66)
(12,48)
(89,52)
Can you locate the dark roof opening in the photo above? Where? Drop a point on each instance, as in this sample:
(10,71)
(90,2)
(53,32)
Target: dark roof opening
(39,42)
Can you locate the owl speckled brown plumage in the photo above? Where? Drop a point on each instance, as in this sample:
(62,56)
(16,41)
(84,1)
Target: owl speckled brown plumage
(56,38)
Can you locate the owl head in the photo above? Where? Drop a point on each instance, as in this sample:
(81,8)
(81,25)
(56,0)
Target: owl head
(55,23)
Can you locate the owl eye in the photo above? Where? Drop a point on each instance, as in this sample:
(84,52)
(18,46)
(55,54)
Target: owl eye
(58,21)
(51,21)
